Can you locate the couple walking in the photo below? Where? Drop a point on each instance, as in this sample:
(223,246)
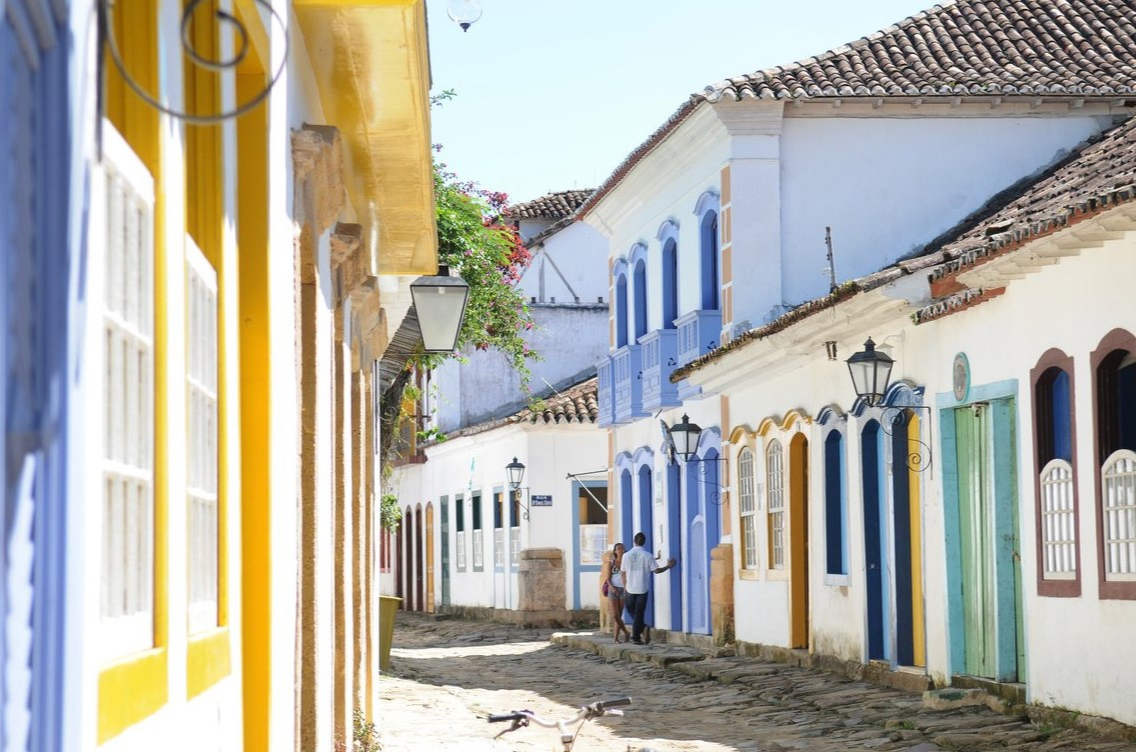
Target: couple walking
(626,580)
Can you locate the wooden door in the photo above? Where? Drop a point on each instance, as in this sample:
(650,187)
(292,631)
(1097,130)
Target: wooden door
(977,538)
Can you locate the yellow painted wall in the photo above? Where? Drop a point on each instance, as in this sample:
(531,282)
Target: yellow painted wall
(255,407)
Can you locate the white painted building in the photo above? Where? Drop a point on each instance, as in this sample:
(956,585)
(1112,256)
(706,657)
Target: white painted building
(461,542)
(717,229)
(977,574)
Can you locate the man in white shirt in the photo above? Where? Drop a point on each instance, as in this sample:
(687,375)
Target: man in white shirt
(638,568)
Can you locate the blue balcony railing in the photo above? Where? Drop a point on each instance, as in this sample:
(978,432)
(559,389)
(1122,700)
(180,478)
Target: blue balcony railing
(604,396)
(627,384)
(660,358)
(698,334)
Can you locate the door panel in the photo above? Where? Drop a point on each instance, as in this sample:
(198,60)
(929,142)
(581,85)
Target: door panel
(976,522)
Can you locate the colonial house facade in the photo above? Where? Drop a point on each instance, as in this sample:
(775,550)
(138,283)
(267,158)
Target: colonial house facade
(762,210)
(192,314)
(946,525)
(469,542)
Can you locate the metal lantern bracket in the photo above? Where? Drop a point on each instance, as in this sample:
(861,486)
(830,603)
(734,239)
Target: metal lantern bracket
(515,474)
(892,417)
(109,42)
(702,469)
(682,440)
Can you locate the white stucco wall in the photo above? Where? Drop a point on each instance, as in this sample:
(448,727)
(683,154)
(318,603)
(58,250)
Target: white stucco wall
(570,266)
(570,340)
(470,464)
(1081,653)
(887,186)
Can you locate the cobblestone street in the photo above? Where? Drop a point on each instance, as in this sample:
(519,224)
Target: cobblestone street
(447,675)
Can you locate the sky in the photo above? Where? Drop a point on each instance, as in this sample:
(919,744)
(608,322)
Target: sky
(552,95)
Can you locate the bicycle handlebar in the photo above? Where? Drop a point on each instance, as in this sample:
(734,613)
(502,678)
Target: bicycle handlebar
(598,708)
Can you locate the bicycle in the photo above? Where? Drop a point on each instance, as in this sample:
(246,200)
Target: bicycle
(522,718)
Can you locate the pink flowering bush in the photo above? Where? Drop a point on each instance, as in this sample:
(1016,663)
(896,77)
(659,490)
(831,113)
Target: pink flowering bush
(488,253)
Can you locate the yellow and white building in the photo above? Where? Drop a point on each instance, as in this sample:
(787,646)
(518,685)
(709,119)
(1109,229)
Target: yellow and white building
(229,288)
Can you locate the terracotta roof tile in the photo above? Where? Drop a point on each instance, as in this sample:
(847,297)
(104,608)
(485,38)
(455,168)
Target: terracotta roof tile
(552,206)
(577,404)
(969,48)
(1096,176)
(985,48)
(1092,178)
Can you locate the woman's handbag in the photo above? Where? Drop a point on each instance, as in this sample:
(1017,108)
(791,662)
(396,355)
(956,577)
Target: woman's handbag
(605,589)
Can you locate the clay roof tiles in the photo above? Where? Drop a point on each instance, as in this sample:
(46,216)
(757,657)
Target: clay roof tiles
(556,205)
(969,48)
(986,48)
(1094,177)
(577,404)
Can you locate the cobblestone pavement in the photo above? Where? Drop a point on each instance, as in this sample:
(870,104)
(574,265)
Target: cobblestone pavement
(447,675)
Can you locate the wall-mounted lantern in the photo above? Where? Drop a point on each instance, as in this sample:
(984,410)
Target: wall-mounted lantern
(870,370)
(440,304)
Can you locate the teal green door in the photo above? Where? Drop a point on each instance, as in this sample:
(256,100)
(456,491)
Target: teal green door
(977,538)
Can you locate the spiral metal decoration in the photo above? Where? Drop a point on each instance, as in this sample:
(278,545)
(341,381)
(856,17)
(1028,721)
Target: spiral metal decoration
(106,28)
(895,416)
(702,470)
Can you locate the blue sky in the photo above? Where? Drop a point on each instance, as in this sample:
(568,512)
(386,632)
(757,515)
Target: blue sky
(553,94)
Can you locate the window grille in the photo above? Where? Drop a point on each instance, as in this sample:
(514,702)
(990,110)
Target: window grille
(593,543)
(747,508)
(499,547)
(460,550)
(1058,555)
(1119,515)
(202,441)
(775,480)
(514,546)
(479,545)
(127,587)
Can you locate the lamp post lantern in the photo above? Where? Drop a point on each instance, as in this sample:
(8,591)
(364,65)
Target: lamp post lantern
(515,471)
(870,370)
(685,435)
(440,304)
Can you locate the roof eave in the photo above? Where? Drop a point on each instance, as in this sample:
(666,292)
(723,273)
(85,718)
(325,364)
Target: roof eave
(371,66)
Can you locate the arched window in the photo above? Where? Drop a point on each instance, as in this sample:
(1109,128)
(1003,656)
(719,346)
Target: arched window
(639,295)
(621,319)
(668,237)
(1056,484)
(748,508)
(776,493)
(836,516)
(670,268)
(1114,453)
(709,262)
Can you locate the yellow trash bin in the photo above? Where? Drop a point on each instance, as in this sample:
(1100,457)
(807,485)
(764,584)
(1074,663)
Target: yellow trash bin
(388,605)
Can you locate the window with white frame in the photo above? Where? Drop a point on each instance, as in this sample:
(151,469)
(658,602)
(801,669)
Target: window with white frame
(498,531)
(202,439)
(1058,550)
(748,508)
(460,533)
(127,587)
(592,518)
(1115,446)
(1119,515)
(1057,491)
(476,539)
(776,506)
